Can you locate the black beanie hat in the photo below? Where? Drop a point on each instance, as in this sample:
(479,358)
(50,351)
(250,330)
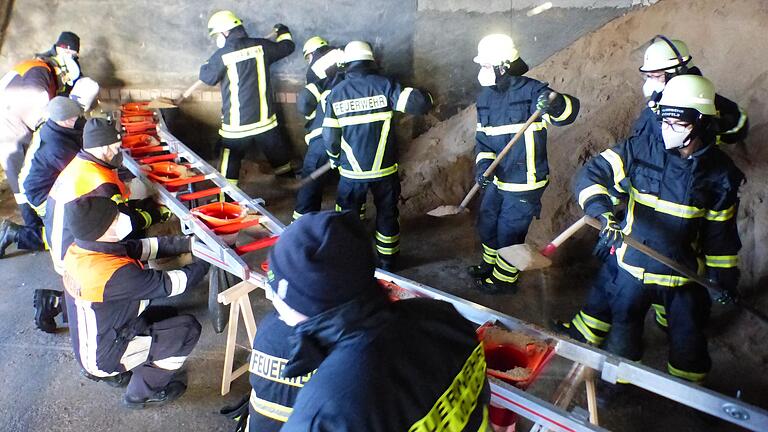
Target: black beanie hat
(69,40)
(99,132)
(89,218)
(321,261)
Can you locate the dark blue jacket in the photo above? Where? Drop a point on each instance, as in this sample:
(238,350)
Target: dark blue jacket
(502,110)
(310,102)
(242,68)
(272,396)
(731,124)
(56,149)
(385,367)
(357,127)
(684,208)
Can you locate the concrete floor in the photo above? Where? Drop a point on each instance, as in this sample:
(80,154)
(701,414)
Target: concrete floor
(43,390)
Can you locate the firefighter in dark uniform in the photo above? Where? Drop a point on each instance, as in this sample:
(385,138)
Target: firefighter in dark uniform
(272,395)
(92,173)
(368,352)
(512,197)
(683,201)
(56,136)
(358,135)
(24,94)
(322,75)
(241,65)
(664,59)
(108,291)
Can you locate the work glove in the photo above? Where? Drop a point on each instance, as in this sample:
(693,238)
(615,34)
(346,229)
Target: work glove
(728,281)
(546,107)
(165,213)
(611,236)
(483,181)
(280,28)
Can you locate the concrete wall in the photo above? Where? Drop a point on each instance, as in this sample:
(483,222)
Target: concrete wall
(148,48)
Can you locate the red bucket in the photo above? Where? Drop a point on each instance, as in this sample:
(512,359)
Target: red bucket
(219,214)
(511,357)
(163,172)
(142,140)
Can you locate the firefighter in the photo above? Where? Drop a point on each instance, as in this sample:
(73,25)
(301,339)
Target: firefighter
(108,291)
(368,352)
(92,172)
(512,197)
(359,139)
(241,64)
(322,75)
(24,94)
(682,202)
(53,146)
(663,59)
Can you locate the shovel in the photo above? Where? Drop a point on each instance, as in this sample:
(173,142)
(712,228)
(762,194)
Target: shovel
(449,210)
(294,184)
(711,286)
(526,257)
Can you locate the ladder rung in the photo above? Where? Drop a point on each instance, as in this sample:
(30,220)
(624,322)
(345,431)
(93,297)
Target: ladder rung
(146,150)
(159,158)
(199,194)
(258,244)
(186,181)
(237,227)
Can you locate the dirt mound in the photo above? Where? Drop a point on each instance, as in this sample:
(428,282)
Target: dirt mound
(601,70)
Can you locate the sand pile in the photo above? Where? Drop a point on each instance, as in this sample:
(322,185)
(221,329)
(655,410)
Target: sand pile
(725,38)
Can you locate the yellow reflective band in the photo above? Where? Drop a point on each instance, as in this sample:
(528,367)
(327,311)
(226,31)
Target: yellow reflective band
(382,147)
(311,116)
(350,156)
(364,118)
(490,259)
(45,239)
(224,161)
(261,71)
(530,156)
(617,166)
(519,187)
(283,37)
(241,131)
(271,368)
(660,313)
(118,198)
(504,278)
(296,215)
(590,191)
(509,129)
(679,210)
(402,100)
(338,208)
(721,261)
(742,121)
(484,425)
(665,280)
(234,96)
(282,169)
(388,250)
(485,155)
(20,198)
(368,174)
(582,328)
(387,239)
(489,250)
(331,122)
(566,112)
(312,135)
(312,87)
(455,406)
(270,409)
(595,323)
(696,377)
(332,154)
(506,266)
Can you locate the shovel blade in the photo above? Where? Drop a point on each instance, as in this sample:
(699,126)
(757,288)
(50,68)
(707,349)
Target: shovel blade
(524,257)
(161,103)
(446,210)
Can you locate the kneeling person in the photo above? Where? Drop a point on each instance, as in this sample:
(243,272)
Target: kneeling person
(108,291)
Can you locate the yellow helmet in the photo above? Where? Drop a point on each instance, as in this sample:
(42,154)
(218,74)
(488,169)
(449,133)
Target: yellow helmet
(312,44)
(496,49)
(222,21)
(665,55)
(690,91)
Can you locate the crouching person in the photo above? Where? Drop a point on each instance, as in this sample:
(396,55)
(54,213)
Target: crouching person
(107,294)
(410,365)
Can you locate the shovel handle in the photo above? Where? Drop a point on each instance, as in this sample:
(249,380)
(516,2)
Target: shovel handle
(314,175)
(669,262)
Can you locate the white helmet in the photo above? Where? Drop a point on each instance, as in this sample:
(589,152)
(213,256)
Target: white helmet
(689,91)
(496,49)
(665,55)
(84,92)
(358,50)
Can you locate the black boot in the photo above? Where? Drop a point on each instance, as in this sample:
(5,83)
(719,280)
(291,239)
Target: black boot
(491,285)
(119,380)
(480,271)
(388,262)
(170,393)
(9,233)
(47,305)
